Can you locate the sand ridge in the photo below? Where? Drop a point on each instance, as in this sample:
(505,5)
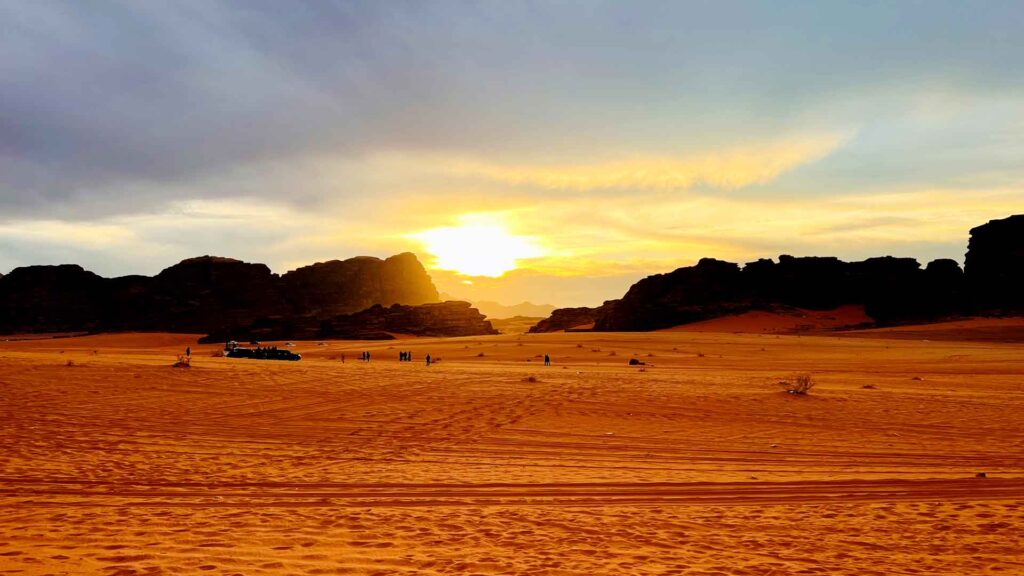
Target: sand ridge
(119,464)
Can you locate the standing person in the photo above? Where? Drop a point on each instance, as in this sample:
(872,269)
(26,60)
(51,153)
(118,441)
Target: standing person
(188,351)
(428,359)
(342,357)
(547,360)
(367,355)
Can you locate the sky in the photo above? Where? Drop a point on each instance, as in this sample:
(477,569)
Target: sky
(554,152)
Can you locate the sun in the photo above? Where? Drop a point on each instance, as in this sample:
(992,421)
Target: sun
(477,249)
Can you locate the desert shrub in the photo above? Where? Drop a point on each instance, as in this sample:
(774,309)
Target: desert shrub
(531,378)
(612,353)
(801,384)
(480,355)
(69,363)
(700,354)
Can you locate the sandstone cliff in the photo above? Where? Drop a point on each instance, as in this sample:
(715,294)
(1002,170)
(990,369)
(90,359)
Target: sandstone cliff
(374,323)
(994,265)
(892,290)
(203,294)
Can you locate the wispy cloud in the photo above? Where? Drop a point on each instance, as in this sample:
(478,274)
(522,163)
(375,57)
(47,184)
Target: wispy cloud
(727,168)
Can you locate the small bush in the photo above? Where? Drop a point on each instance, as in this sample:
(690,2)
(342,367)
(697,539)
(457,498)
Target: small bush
(69,363)
(531,378)
(480,355)
(700,354)
(801,384)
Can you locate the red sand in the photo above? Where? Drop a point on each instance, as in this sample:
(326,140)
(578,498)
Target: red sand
(778,322)
(120,464)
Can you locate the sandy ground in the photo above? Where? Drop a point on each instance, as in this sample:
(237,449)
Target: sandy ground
(120,464)
(793,321)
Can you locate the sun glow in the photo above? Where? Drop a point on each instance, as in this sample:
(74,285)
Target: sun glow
(477,249)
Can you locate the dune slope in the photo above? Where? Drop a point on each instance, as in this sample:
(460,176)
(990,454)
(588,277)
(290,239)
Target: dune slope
(699,464)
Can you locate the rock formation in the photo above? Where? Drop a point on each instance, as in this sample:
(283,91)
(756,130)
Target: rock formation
(994,266)
(573,318)
(203,294)
(374,323)
(347,286)
(892,290)
(62,298)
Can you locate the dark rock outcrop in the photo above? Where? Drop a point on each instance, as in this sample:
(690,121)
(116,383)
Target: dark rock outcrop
(892,290)
(711,288)
(994,266)
(64,298)
(347,286)
(573,318)
(374,323)
(203,294)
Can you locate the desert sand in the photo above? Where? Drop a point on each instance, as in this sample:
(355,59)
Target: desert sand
(488,462)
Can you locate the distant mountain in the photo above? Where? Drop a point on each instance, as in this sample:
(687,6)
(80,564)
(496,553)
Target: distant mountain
(497,311)
(892,290)
(204,294)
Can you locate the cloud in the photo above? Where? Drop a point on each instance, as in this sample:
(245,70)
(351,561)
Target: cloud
(136,134)
(729,168)
(108,105)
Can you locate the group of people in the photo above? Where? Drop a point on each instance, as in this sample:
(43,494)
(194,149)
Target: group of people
(407,357)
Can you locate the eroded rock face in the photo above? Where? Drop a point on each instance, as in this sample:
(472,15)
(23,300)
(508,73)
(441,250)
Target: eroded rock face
(347,286)
(203,294)
(891,289)
(375,323)
(711,288)
(199,293)
(994,266)
(64,298)
(572,318)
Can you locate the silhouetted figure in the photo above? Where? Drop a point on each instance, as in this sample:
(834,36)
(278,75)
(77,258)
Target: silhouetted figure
(428,359)
(367,355)
(188,351)
(342,357)
(547,360)
(408,356)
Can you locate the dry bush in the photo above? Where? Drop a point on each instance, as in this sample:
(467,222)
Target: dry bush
(800,385)
(531,378)
(69,363)
(480,355)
